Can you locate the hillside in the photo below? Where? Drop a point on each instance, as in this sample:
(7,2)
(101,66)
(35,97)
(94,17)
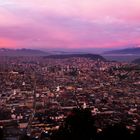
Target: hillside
(91,56)
(21,52)
(137,61)
(31,52)
(127,51)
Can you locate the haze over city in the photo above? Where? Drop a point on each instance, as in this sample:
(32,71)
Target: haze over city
(48,24)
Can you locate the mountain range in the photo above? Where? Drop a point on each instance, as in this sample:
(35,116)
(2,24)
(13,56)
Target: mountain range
(22,52)
(52,55)
(126,51)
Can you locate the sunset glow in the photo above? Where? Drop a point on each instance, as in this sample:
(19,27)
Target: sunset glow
(7,42)
(69,23)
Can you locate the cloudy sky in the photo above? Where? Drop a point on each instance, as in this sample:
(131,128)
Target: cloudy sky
(69,23)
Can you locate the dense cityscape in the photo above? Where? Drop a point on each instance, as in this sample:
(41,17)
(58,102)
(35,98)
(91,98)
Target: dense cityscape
(38,95)
(69,69)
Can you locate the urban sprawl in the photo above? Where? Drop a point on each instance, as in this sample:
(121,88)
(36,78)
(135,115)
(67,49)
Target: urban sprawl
(38,93)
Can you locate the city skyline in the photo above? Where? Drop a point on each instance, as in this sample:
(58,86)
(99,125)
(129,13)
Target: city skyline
(69,24)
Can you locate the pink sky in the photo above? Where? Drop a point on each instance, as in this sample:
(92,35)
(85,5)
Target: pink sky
(69,23)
